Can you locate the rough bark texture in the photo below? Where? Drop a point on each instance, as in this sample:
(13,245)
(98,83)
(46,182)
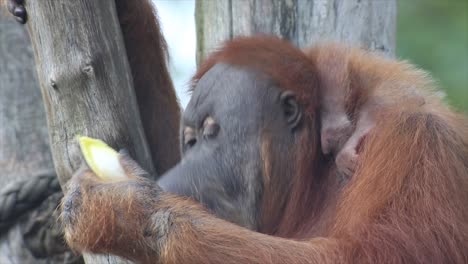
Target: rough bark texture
(86,83)
(367,23)
(25,153)
(85,79)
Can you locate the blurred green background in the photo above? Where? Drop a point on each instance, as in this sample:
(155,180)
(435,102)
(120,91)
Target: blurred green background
(433,34)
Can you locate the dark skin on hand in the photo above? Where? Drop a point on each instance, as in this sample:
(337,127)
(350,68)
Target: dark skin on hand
(260,179)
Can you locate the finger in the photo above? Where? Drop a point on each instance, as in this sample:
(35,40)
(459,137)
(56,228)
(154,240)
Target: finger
(82,175)
(125,152)
(70,203)
(131,167)
(325,148)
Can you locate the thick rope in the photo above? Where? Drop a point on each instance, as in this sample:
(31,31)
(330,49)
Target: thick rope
(19,197)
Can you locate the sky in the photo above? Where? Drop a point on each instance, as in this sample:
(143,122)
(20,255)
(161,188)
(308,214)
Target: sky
(178,26)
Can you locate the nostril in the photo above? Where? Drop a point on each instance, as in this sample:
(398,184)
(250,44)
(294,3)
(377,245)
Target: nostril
(19,12)
(191,142)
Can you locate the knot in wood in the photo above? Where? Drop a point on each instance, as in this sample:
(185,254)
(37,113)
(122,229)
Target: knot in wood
(53,84)
(88,69)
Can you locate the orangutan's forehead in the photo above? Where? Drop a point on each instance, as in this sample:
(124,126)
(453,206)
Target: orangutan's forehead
(280,60)
(230,85)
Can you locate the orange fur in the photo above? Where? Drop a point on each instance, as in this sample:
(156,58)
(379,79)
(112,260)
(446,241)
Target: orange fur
(354,87)
(157,101)
(406,203)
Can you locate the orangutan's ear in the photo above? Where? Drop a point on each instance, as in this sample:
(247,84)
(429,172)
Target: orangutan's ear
(291,109)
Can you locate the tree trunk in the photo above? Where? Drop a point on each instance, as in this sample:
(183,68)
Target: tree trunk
(86,83)
(25,157)
(366,23)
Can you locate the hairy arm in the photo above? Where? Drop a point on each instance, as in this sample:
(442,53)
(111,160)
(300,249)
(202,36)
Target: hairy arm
(147,55)
(198,237)
(138,221)
(401,208)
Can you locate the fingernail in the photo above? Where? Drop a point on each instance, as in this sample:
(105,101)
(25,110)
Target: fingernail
(124,152)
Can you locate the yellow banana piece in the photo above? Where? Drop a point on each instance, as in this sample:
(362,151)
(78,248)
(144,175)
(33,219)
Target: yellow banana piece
(102,159)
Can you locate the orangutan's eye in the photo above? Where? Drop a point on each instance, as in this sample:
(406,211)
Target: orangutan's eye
(210,128)
(190,138)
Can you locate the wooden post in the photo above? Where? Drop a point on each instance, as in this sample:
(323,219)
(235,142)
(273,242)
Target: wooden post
(86,83)
(366,23)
